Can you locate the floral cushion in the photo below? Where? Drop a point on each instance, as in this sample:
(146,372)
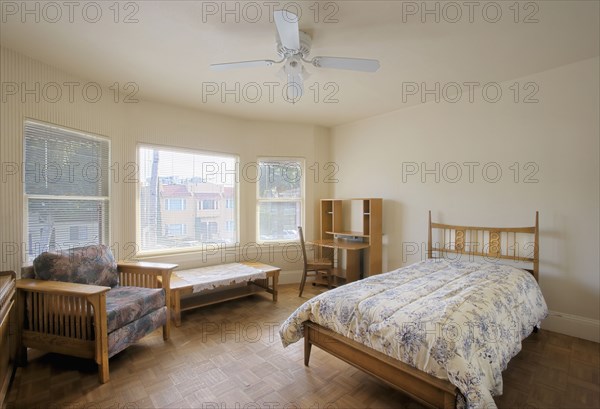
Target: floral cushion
(127,304)
(121,338)
(85,265)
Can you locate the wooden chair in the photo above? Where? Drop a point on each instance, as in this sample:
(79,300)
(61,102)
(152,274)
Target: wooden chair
(92,321)
(318,266)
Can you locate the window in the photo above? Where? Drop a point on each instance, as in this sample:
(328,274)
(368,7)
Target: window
(175,230)
(208,204)
(229,203)
(230,225)
(176,187)
(66,188)
(280,199)
(175,204)
(209,231)
(78,233)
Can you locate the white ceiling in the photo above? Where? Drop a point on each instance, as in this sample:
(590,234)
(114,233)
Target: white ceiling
(167,53)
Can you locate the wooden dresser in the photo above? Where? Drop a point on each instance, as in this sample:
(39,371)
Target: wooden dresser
(7,329)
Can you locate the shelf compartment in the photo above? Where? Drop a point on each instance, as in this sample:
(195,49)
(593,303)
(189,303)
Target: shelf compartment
(348,233)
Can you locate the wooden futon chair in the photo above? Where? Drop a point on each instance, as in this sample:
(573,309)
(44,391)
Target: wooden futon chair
(80,302)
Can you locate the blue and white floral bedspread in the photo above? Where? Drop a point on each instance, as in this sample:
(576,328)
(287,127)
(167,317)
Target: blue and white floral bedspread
(456,320)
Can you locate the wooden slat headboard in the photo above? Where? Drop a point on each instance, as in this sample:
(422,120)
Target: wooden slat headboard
(488,242)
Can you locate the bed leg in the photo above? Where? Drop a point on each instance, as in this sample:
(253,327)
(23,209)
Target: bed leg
(449,401)
(307,347)
(535,329)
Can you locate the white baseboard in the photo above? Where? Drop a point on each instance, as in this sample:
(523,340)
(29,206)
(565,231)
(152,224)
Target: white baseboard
(573,325)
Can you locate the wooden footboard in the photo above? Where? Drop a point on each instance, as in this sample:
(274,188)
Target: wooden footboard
(421,386)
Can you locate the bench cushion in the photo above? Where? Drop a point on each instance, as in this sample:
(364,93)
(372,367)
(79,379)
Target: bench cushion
(93,265)
(127,304)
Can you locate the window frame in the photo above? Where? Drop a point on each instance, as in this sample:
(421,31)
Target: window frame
(229,223)
(26,197)
(302,162)
(182,250)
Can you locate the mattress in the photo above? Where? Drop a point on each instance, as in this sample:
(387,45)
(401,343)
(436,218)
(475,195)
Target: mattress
(456,320)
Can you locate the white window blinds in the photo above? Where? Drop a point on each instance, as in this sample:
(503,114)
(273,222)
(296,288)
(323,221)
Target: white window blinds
(280,194)
(182,199)
(66,176)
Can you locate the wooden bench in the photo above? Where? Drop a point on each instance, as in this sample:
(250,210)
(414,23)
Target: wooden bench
(183,296)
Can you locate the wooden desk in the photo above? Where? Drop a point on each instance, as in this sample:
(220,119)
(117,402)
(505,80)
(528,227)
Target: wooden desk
(365,216)
(353,249)
(180,287)
(340,244)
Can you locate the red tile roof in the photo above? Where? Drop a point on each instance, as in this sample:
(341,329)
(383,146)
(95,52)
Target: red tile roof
(175,191)
(207,195)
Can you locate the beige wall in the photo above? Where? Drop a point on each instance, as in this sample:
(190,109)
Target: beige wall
(560,134)
(145,122)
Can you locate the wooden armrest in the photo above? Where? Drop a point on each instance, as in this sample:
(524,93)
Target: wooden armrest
(145,274)
(145,267)
(7,273)
(60,287)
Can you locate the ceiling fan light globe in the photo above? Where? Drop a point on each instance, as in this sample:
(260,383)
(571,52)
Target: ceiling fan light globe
(282,74)
(305,74)
(294,89)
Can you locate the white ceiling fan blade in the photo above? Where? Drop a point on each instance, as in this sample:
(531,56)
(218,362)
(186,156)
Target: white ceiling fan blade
(241,64)
(353,64)
(287,28)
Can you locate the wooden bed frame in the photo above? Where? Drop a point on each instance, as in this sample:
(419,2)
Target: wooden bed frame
(462,240)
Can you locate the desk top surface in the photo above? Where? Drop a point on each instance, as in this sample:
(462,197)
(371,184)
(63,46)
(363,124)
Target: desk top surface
(340,244)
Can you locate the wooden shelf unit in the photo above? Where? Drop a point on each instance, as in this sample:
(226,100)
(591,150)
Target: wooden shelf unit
(331,218)
(332,228)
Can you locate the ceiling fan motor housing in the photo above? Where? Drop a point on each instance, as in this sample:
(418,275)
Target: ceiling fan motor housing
(305,44)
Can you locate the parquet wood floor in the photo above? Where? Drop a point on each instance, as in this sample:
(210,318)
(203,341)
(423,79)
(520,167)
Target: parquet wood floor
(229,356)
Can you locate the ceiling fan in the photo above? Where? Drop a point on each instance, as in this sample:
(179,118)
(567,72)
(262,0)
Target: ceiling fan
(293,46)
